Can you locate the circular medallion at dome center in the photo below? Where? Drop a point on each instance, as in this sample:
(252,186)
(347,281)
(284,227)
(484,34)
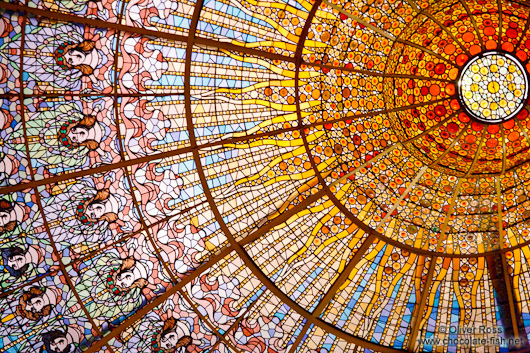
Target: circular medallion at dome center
(493,87)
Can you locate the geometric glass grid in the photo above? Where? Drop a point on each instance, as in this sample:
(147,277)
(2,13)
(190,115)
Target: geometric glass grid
(279,176)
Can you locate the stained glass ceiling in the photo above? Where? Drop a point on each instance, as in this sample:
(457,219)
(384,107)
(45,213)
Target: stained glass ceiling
(264,176)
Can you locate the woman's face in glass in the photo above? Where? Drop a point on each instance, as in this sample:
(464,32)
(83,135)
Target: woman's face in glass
(95,210)
(125,279)
(169,340)
(74,57)
(78,135)
(5,218)
(16,262)
(59,344)
(35,305)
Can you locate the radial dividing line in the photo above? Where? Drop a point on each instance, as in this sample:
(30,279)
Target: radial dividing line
(499,39)
(42,276)
(99,95)
(453,143)
(358,256)
(481,175)
(365,164)
(503,136)
(284,217)
(507,279)
(129,162)
(443,229)
(473,22)
(477,155)
(418,310)
(300,337)
(388,150)
(242,316)
(416,8)
(130,235)
(499,211)
(207,322)
(402,197)
(374,113)
(158,300)
(238,320)
(124,163)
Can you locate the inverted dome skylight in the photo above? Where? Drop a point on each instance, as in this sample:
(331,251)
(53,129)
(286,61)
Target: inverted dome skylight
(240,176)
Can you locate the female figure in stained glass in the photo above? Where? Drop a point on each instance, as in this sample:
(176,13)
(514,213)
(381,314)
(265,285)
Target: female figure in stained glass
(68,57)
(26,315)
(80,56)
(131,274)
(11,215)
(101,207)
(76,58)
(60,340)
(114,288)
(176,327)
(91,211)
(81,133)
(174,337)
(38,302)
(173,327)
(19,264)
(62,137)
